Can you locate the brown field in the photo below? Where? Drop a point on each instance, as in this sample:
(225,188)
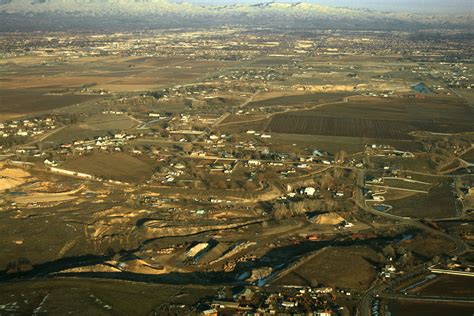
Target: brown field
(54,81)
(271,61)
(332,144)
(111,73)
(469,156)
(448,285)
(344,267)
(420,163)
(181,72)
(121,167)
(392,195)
(300,99)
(109,122)
(378,118)
(242,127)
(23,102)
(429,246)
(399,183)
(336,126)
(453,165)
(410,308)
(241,119)
(72,133)
(95,297)
(438,203)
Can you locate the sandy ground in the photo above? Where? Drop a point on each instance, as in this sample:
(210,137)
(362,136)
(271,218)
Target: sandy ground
(12,177)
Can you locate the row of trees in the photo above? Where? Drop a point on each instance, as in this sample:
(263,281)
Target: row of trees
(293,209)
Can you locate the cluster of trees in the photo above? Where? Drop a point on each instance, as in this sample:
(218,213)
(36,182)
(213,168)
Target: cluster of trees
(441,149)
(19,265)
(399,254)
(340,156)
(156,94)
(13,140)
(68,119)
(293,209)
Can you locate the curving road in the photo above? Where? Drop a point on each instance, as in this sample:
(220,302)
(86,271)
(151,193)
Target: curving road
(461,246)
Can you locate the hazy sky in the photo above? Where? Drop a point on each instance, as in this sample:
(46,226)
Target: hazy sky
(428,6)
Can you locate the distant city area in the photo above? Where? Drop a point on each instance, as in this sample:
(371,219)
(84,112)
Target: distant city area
(237,170)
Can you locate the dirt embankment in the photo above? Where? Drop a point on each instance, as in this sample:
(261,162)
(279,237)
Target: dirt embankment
(155,229)
(12,177)
(329,219)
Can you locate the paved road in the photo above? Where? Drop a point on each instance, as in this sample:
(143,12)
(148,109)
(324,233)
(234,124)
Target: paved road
(42,137)
(448,299)
(461,246)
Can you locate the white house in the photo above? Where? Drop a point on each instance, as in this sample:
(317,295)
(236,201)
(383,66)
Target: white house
(309,191)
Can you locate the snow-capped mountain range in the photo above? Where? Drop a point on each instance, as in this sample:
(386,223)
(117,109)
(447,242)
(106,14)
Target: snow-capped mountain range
(161,13)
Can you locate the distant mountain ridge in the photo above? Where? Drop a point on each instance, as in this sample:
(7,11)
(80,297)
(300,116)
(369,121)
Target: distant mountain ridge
(63,14)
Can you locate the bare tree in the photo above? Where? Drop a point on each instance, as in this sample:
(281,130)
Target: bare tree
(340,156)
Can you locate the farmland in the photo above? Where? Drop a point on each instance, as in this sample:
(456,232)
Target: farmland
(109,122)
(74,132)
(337,126)
(469,156)
(136,164)
(375,118)
(331,143)
(407,308)
(422,206)
(122,167)
(302,99)
(96,297)
(334,270)
(16,103)
(448,285)
(428,246)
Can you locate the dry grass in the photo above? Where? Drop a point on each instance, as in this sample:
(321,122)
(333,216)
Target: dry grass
(344,267)
(438,203)
(378,118)
(122,167)
(15,103)
(429,246)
